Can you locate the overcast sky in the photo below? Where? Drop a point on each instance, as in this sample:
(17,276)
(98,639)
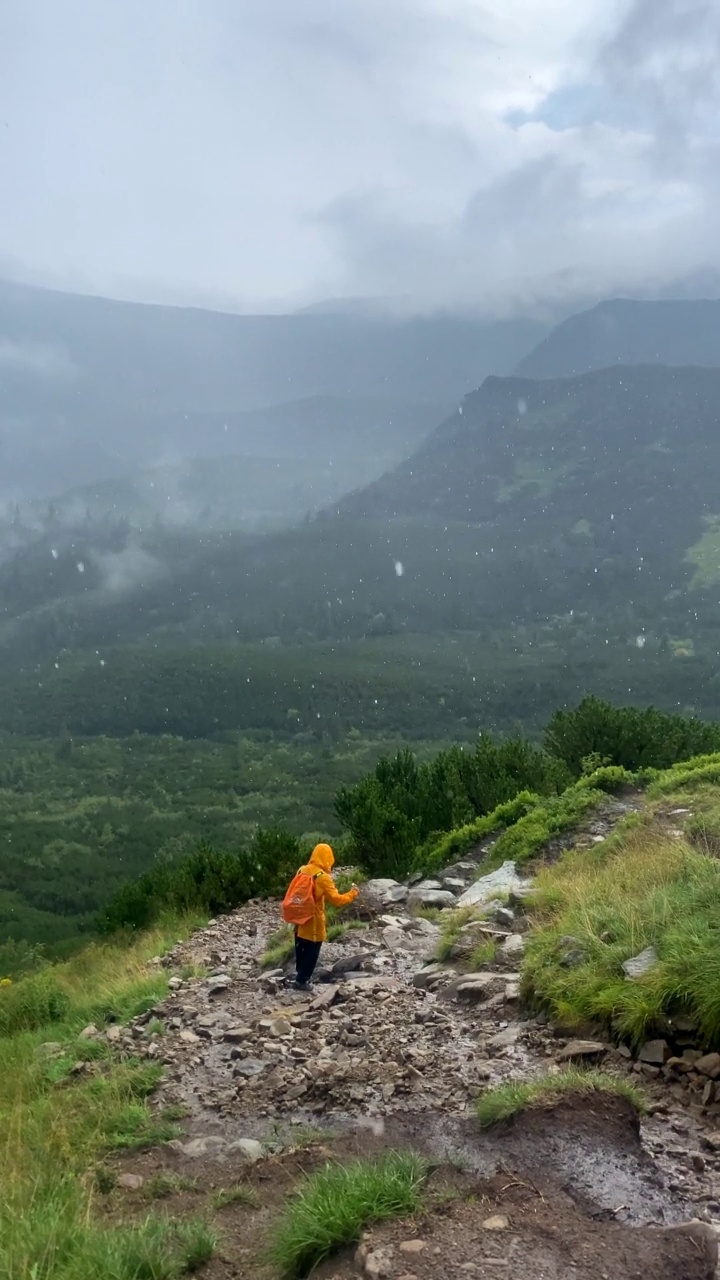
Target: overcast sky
(264,153)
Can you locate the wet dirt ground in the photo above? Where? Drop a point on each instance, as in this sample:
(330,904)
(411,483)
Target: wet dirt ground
(510,1204)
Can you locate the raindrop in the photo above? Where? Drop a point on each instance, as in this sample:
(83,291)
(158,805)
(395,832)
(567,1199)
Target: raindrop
(399,568)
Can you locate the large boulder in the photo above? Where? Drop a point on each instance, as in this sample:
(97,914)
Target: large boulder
(504,880)
(379,886)
(374,897)
(420,897)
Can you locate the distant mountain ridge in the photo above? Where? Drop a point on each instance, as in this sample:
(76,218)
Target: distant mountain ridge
(628,332)
(92,387)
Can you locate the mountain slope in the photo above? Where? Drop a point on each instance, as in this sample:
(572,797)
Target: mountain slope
(611,447)
(627,332)
(587,506)
(90,387)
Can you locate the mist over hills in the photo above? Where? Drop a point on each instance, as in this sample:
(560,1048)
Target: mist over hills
(628,332)
(595,496)
(570,520)
(291,460)
(92,388)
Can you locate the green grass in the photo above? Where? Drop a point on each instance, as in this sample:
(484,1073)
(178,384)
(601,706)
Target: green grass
(450,927)
(689,775)
(54,1238)
(335,1205)
(134,1128)
(56,1130)
(304,1136)
(525,823)
(705,554)
(239,1193)
(161,1185)
(483,954)
(336,932)
(640,889)
(499,1104)
(279,949)
(555,815)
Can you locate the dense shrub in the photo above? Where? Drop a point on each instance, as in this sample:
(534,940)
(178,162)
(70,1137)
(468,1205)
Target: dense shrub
(207,881)
(393,811)
(629,736)
(688,775)
(31,1003)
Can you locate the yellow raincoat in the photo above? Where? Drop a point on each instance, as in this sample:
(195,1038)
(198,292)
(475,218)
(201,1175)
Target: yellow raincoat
(322,860)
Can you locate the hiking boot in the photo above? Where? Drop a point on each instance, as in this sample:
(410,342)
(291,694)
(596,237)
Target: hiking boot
(302,986)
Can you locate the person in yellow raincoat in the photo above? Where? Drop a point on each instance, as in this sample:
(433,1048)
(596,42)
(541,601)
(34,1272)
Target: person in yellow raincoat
(310,937)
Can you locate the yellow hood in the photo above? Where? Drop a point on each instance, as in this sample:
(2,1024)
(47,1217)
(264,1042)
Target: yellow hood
(322,856)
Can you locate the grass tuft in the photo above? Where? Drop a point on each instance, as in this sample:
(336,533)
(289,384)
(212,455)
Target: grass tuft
(240,1193)
(279,949)
(196,1244)
(161,1185)
(336,1204)
(451,924)
(484,953)
(499,1104)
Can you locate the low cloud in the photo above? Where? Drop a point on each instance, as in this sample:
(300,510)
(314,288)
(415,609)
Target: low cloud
(36,358)
(442,153)
(124,571)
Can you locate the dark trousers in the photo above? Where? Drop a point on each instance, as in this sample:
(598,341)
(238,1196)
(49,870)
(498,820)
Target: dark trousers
(306,957)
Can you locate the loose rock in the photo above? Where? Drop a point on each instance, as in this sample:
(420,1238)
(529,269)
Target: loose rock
(413,1246)
(130,1181)
(709,1065)
(587,1049)
(656,1052)
(196,1148)
(637,966)
(504,880)
(248,1148)
(512,948)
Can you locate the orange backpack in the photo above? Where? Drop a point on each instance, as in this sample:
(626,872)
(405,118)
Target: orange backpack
(299,902)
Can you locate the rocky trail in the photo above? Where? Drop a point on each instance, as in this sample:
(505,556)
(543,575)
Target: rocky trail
(391,1049)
